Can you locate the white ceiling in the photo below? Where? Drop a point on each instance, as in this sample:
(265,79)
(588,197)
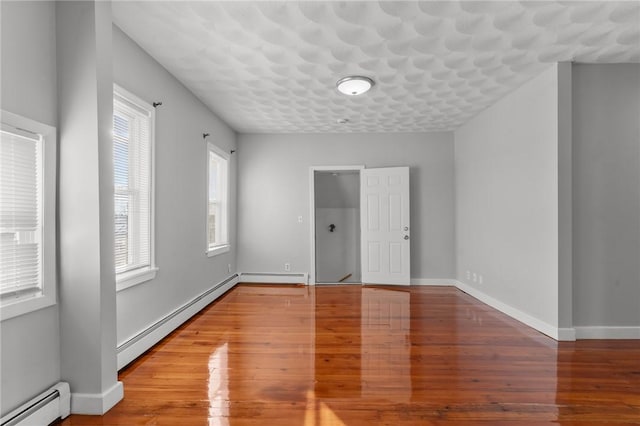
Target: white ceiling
(272,66)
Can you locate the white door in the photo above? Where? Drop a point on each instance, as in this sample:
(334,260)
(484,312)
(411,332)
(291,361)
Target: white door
(384,218)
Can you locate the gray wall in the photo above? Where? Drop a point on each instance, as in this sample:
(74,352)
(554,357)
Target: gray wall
(506,162)
(337,252)
(29,344)
(341,191)
(184,269)
(606,195)
(273,190)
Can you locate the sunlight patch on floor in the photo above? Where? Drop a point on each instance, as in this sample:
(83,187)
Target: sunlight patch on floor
(319,414)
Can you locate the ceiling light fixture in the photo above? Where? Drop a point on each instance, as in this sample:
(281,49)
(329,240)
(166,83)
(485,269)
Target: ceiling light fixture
(354,85)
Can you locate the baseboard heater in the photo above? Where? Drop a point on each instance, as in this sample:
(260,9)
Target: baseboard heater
(275,278)
(141,342)
(44,409)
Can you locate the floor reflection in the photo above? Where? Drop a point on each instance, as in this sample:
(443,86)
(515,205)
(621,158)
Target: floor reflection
(386,343)
(271,353)
(219,386)
(364,333)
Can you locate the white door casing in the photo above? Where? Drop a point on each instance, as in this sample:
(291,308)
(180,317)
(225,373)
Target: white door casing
(385,228)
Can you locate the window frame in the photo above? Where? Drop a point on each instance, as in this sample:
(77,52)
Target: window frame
(11,308)
(137,276)
(225,246)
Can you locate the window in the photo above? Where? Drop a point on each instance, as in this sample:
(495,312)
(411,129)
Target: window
(27,215)
(133,124)
(217,206)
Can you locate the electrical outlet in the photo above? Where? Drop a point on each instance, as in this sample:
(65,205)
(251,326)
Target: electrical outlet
(229,267)
(287,267)
(475,277)
(480,279)
(299,219)
(468,274)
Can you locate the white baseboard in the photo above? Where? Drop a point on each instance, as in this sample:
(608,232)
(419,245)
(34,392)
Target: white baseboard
(97,404)
(145,339)
(433,281)
(566,334)
(274,277)
(533,322)
(607,332)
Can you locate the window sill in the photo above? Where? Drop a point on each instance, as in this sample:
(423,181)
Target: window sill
(25,305)
(218,250)
(129,279)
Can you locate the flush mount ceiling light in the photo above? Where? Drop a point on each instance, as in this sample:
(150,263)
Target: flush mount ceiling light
(354,85)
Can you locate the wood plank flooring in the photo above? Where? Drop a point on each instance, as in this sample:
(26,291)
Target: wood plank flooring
(351,355)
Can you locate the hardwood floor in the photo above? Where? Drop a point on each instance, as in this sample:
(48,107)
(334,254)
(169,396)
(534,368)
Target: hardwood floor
(352,355)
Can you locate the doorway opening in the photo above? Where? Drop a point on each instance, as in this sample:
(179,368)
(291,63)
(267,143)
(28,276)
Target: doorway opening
(335,225)
(360,225)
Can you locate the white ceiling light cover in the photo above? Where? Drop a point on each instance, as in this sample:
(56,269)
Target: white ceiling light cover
(354,85)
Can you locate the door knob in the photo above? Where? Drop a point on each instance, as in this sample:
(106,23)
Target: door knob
(406,228)
(406,237)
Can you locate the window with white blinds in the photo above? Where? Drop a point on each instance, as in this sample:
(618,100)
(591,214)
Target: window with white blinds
(133,121)
(218,201)
(27,252)
(20,212)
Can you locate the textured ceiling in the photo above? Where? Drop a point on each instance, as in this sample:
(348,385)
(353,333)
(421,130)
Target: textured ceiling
(272,66)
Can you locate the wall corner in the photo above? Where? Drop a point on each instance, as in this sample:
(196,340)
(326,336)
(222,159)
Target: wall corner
(565,197)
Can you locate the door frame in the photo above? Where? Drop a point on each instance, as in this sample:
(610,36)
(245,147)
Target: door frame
(312,209)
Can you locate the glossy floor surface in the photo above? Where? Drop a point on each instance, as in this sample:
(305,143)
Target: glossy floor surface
(352,355)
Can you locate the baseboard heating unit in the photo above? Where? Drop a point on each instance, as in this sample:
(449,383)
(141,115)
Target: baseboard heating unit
(145,339)
(44,409)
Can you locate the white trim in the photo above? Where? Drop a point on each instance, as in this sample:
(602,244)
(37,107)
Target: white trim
(312,210)
(48,297)
(146,338)
(125,280)
(213,251)
(135,277)
(514,313)
(21,306)
(275,278)
(607,332)
(219,250)
(97,403)
(559,334)
(563,334)
(566,334)
(433,282)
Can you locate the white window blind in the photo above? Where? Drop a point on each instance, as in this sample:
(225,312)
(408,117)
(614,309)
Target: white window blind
(21,181)
(217,232)
(132,133)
